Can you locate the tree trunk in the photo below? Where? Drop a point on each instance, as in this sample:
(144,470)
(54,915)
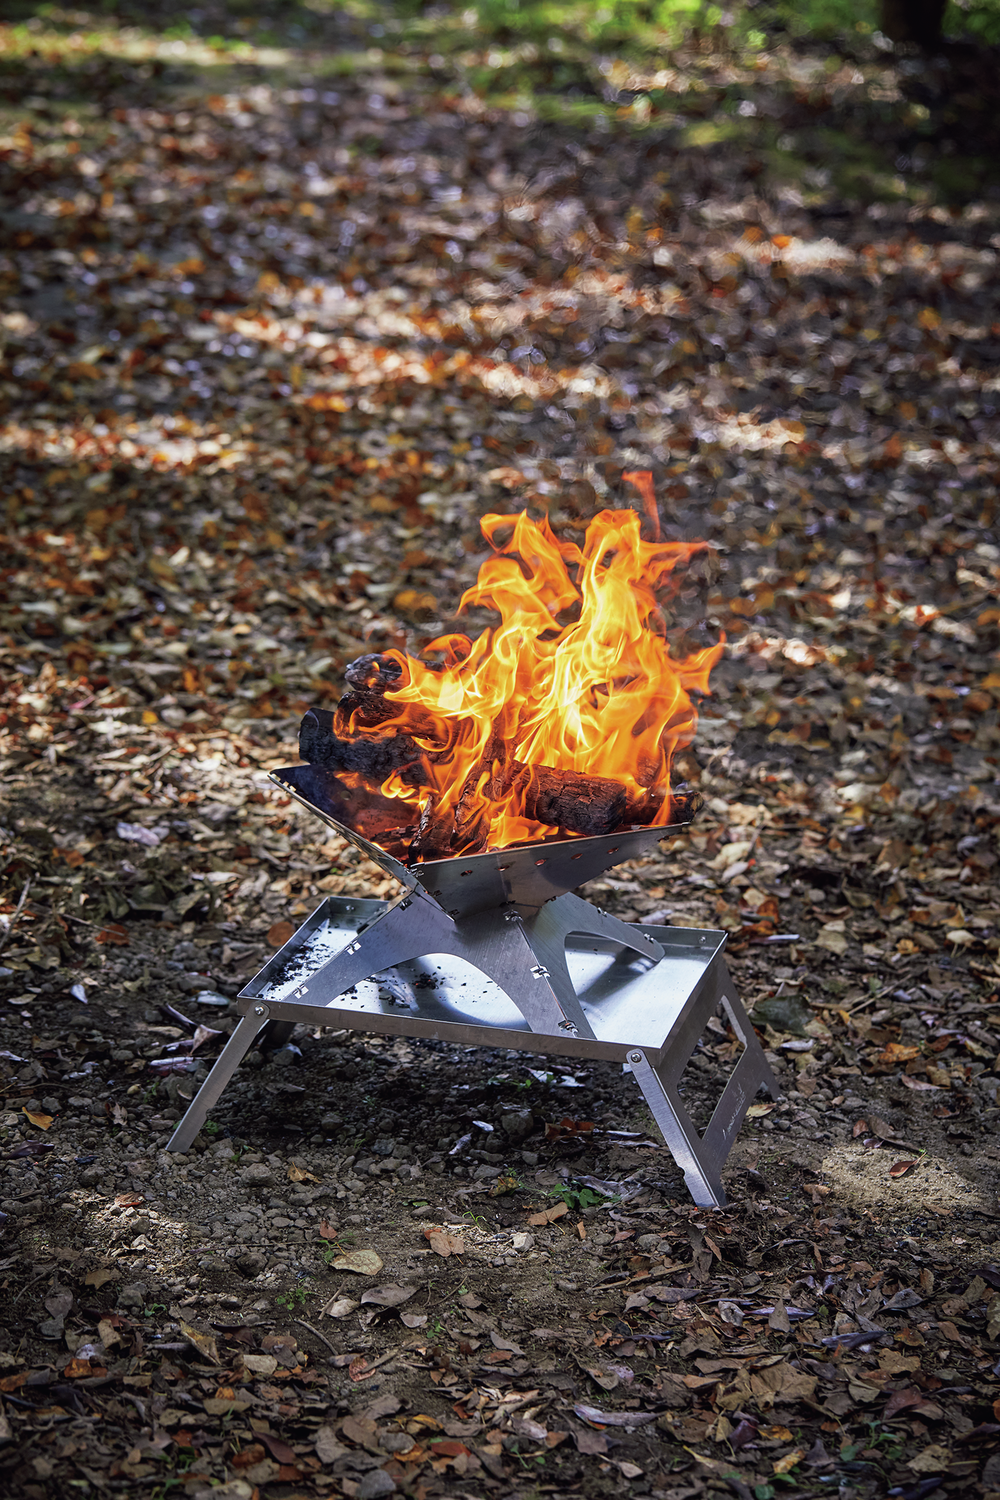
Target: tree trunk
(916,21)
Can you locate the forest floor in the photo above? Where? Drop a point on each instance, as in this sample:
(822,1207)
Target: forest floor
(280,324)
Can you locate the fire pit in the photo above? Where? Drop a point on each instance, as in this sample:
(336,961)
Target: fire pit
(435,773)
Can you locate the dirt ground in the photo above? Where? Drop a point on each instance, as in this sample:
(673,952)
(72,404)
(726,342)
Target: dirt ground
(232,460)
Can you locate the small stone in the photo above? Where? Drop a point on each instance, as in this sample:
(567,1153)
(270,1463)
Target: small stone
(258,1175)
(251,1263)
(91,1176)
(375,1483)
(384,1147)
(133,1295)
(518,1123)
(286,1056)
(212,998)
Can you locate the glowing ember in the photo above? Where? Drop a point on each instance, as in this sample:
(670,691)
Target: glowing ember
(573,701)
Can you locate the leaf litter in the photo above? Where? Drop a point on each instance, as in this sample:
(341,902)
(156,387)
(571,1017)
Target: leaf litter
(235,459)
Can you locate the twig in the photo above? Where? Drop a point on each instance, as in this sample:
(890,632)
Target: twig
(321,1336)
(13,921)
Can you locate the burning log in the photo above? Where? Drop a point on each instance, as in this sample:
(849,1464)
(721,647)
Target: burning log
(493,742)
(571,800)
(373,757)
(568,800)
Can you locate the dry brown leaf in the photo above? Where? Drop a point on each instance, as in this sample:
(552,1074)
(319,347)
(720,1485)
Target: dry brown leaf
(203,1342)
(362,1262)
(42,1121)
(99,1277)
(549,1215)
(298,1174)
(443,1243)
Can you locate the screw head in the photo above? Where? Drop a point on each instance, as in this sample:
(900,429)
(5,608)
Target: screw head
(635,1057)
(260,1010)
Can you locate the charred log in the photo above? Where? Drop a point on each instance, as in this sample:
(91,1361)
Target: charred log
(369,678)
(372,757)
(572,801)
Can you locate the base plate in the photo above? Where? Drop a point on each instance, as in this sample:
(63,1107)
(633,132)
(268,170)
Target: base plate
(628,1001)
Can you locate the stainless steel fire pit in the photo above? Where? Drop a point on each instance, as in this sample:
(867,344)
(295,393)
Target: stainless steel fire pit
(495,950)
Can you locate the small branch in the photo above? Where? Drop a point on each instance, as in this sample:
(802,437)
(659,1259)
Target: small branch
(14,919)
(321,1336)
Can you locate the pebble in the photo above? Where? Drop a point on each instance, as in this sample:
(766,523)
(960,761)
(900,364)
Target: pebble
(375,1483)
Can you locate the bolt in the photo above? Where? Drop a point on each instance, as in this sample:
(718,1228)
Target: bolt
(635,1057)
(260,1010)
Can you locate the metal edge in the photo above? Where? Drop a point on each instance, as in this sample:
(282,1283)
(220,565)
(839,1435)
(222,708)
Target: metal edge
(457,1032)
(263,976)
(374,852)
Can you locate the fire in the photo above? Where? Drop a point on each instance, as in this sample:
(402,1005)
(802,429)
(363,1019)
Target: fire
(577,680)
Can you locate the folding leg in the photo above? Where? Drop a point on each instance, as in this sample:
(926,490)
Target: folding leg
(702,1157)
(225,1066)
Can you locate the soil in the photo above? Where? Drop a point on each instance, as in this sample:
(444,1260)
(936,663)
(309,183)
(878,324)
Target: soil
(270,453)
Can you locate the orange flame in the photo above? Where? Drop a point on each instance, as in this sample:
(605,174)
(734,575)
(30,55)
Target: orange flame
(577,677)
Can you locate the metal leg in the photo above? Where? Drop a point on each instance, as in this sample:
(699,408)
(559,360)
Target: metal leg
(226,1063)
(498,945)
(701,1157)
(570,914)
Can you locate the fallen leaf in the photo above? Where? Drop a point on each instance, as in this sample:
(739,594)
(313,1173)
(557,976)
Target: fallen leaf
(340,1307)
(390,1295)
(328,1231)
(203,1342)
(279,933)
(298,1174)
(788,1461)
(113,933)
(108,1334)
(260,1364)
(100,1277)
(930,1460)
(594,1414)
(549,1215)
(900,1168)
(904,1298)
(42,1121)
(501,1343)
(778,1321)
(363,1262)
(443,1243)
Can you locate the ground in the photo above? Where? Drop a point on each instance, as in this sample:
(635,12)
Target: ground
(281,323)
